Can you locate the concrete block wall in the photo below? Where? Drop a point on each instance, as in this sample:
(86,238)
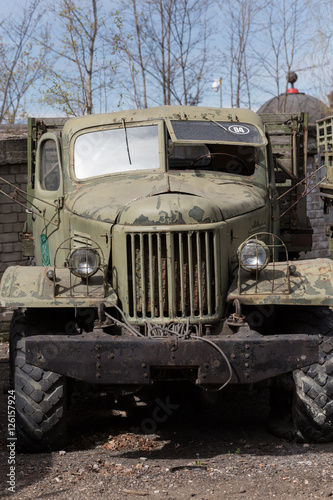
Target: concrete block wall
(13,168)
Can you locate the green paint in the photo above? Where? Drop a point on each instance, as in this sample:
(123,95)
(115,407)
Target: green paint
(331,247)
(44,245)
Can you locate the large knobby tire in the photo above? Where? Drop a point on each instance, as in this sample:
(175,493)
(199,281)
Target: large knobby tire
(40,395)
(313,385)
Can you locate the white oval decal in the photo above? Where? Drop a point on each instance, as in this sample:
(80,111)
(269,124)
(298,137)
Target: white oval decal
(239,129)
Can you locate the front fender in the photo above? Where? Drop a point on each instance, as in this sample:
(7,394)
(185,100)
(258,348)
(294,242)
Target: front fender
(311,284)
(30,287)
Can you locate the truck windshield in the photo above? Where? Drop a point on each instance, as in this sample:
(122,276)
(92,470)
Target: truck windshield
(232,148)
(230,159)
(118,150)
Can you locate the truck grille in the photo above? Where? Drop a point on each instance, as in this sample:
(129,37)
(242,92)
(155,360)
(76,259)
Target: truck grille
(172,275)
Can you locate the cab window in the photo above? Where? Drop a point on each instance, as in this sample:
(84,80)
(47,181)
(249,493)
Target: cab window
(49,166)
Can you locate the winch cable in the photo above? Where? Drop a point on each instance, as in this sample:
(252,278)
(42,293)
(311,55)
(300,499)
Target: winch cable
(185,335)
(225,359)
(180,330)
(125,323)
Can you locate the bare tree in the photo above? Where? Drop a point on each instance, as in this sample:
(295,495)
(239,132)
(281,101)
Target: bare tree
(191,34)
(275,38)
(291,13)
(321,40)
(241,19)
(22,61)
(285,34)
(80,74)
(130,71)
(167,52)
(151,52)
(139,52)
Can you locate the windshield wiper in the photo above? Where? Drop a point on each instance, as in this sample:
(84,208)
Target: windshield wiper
(128,151)
(220,125)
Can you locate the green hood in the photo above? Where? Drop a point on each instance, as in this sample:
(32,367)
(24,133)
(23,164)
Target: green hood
(164,199)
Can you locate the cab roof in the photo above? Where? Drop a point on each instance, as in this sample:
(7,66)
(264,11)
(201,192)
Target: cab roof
(232,115)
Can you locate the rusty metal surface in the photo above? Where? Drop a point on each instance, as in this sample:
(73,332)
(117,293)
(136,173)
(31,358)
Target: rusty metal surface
(326,191)
(102,358)
(289,138)
(310,284)
(324,145)
(188,199)
(30,287)
(163,112)
(173,275)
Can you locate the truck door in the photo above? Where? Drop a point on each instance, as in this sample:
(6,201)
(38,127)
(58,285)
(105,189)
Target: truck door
(48,199)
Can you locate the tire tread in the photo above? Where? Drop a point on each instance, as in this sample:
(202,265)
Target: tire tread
(40,395)
(313,404)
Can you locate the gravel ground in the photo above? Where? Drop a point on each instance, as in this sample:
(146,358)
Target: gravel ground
(219,453)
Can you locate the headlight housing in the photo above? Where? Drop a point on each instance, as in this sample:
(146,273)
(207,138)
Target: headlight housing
(253,255)
(84,262)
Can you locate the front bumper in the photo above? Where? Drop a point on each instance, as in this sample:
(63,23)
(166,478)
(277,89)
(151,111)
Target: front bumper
(121,360)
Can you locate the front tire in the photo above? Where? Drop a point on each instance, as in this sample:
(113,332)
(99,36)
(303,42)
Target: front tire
(313,385)
(40,395)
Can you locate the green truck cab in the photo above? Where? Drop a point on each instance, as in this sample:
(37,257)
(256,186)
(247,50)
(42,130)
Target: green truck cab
(157,242)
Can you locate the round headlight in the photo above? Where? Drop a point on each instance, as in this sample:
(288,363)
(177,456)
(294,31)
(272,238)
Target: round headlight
(84,262)
(254,255)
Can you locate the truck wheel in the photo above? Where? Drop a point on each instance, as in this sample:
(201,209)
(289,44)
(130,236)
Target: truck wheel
(40,396)
(313,385)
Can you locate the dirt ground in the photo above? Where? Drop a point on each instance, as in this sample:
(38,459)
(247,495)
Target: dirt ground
(224,452)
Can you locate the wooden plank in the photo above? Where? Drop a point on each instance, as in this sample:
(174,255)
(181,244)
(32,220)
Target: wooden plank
(54,122)
(285,162)
(282,152)
(278,117)
(279,129)
(283,140)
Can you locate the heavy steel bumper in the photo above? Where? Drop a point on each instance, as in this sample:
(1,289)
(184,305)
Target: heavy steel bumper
(104,359)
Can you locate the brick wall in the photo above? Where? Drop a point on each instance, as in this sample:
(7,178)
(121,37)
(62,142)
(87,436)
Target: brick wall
(315,206)
(13,168)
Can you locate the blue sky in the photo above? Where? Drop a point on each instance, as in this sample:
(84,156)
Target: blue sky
(309,79)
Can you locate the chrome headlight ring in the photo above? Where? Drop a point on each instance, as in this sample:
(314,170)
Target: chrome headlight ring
(84,262)
(253,255)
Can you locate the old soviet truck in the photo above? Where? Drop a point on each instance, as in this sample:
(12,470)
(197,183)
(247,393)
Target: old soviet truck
(157,244)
